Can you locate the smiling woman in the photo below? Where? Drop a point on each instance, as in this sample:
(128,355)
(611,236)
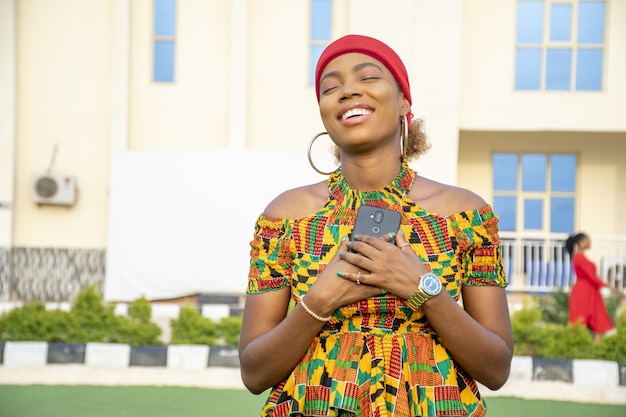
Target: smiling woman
(382,331)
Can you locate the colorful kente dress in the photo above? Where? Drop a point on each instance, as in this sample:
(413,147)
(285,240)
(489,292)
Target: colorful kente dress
(376,357)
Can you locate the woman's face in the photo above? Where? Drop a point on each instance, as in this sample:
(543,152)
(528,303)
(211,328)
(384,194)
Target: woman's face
(584,243)
(361,103)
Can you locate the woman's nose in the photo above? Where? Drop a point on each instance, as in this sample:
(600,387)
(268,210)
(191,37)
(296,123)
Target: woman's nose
(349,89)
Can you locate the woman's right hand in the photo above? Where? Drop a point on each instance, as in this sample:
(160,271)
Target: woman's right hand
(264,356)
(330,291)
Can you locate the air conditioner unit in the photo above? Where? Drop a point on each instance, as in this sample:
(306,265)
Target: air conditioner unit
(53,189)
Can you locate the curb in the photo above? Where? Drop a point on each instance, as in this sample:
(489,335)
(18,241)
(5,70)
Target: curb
(114,355)
(197,357)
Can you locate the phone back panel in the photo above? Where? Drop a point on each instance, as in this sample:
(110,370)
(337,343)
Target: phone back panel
(375,221)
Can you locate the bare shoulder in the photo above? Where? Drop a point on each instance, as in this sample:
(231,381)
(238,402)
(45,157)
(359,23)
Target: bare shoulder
(444,199)
(298,202)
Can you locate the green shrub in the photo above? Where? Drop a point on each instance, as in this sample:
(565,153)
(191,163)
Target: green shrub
(94,320)
(568,342)
(542,330)
(613,303)
(527,331)
(33,322)
(89,320)
(555,307)
(192,328)
(614,346)
(140,310)
(229,328)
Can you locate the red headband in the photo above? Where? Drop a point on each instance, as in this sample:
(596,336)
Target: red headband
(368,46)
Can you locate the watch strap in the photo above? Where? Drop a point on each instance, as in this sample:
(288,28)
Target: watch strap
(416,300)
(421,296)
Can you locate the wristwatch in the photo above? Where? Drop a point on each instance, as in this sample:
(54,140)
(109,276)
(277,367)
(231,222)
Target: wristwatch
(429,286)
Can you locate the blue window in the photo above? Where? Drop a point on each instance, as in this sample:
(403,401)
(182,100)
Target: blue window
(530,22)
(589,69)
(563,172)
(558,68)
(533,214)
(534,172)
(591,22)
(506,208)
(164,40)
(560,45)
(543,200)
(505,165)
(560,22)
(528,74)
(562,214)
(321,31)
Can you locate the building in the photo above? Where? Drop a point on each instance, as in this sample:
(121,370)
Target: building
(169,124)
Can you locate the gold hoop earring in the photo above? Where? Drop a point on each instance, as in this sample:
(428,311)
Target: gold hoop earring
(404,134)
(308,153)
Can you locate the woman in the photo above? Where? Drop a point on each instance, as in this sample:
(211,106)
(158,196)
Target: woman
(370,338)
(585,301)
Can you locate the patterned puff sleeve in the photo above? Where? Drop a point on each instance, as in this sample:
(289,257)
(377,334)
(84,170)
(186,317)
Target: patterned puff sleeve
(480,253)
(271,261)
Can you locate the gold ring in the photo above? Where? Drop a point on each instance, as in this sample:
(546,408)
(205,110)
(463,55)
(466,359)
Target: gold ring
(358,278)
(405,244)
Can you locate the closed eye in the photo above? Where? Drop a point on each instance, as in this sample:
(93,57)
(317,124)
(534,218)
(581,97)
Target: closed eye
(329,89)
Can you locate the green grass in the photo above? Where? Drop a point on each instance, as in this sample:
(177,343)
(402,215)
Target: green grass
(106,401)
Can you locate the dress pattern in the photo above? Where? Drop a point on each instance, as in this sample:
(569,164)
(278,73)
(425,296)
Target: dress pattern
(376,357)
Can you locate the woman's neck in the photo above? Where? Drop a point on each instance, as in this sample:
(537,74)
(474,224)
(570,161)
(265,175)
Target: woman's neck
(370,174)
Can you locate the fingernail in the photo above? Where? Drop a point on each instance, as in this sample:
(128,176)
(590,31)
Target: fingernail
(393,235)
(341,274)
(344,238)
(354,237)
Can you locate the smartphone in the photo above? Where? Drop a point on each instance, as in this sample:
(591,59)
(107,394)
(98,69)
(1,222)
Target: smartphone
(375,221)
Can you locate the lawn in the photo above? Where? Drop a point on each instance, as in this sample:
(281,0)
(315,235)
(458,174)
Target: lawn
(106,401)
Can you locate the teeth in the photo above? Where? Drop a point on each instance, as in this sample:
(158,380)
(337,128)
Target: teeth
(355,112)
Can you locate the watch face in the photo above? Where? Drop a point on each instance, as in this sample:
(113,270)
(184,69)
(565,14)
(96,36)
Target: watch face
(431,284)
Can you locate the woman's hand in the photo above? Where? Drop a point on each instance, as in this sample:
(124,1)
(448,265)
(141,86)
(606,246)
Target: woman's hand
(383,265)
(334,287)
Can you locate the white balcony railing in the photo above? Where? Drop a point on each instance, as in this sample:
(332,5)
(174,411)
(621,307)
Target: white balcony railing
(541,263)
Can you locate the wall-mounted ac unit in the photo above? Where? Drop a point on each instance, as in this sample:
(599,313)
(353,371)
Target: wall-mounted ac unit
(53,189)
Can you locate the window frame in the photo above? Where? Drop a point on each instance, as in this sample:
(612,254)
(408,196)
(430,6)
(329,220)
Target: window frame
(546,46)
(318,44)
(164,39)
(547,196)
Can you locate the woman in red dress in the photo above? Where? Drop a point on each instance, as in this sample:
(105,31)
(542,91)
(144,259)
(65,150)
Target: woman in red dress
(586,305)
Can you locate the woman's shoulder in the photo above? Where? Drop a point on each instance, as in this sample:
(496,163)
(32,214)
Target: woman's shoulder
(298,202)
(444,199)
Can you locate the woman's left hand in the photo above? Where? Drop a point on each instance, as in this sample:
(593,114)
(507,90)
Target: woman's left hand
(392,268)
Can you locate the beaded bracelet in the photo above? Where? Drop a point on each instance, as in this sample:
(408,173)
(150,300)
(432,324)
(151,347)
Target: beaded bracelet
(308,310)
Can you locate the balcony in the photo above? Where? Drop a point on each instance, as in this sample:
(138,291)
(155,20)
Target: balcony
(540,263)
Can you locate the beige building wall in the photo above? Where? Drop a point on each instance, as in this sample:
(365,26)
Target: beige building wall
(63,86)
(192,112)
(82,77)
(7,122)
(601,170)
(282,108)
(489,100)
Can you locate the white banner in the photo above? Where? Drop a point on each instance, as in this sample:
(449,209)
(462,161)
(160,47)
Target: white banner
(180,221)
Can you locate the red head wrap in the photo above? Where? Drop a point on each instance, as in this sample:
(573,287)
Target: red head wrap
(368,46)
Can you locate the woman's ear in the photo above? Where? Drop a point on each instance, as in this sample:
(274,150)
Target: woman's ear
(406,106)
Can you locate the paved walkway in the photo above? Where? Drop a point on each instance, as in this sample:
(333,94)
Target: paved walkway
(229,378)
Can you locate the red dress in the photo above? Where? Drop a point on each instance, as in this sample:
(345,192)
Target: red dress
(585,302)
